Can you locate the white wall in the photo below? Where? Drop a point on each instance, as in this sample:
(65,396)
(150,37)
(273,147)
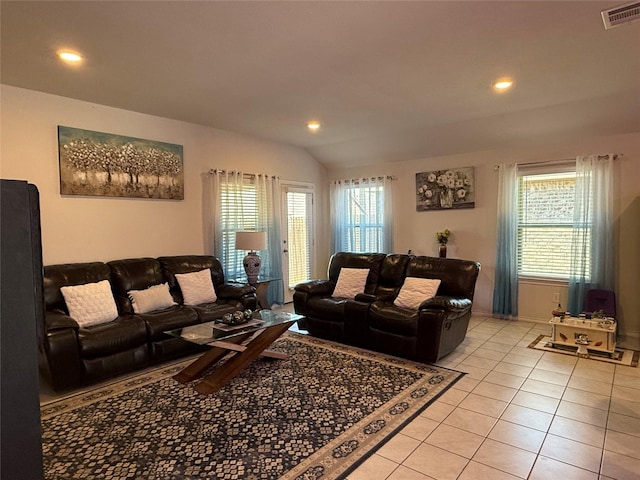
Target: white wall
(474,230)
(100,228)
(76,229)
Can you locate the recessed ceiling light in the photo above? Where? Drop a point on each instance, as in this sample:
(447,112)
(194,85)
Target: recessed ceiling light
(313,125)
(503,84)
(69,56)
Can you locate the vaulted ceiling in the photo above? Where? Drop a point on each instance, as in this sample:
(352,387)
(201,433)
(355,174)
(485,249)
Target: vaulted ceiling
(388,81)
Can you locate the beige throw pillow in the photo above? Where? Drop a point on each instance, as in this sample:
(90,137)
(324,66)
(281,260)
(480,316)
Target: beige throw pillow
(91,303)
(415,290)
(351,282)
(197,287)
(156,297)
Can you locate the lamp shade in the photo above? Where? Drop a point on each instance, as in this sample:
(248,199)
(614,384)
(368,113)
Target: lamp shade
(251,241)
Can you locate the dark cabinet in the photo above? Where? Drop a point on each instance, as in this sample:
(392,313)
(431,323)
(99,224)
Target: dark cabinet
(20,329)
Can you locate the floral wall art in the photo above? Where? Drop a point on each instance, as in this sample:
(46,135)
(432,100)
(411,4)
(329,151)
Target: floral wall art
(444,189)
(102,164)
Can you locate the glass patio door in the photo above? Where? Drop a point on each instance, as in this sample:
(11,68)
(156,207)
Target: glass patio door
(298,244)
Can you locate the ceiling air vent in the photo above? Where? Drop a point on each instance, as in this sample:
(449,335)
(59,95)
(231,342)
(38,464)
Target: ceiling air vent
(622,14)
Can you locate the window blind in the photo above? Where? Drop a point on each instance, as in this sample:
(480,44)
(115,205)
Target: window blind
(239,212)
(300,236)
(546,224)
(364,223)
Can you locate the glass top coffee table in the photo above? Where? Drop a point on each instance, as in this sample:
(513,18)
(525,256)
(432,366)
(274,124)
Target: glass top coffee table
(248,340)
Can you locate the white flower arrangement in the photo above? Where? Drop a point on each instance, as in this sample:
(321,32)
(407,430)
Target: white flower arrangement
(445,188)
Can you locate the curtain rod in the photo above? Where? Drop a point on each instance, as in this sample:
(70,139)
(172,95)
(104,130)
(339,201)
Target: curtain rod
(382,177)
(563,160)
(214,171)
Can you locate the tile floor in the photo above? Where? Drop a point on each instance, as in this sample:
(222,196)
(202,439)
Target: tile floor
(519,413)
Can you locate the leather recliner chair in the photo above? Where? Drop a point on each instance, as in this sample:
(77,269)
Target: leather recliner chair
(372,320)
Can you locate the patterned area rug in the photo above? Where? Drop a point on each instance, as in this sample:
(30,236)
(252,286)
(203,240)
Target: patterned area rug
(620,356)
(315,415)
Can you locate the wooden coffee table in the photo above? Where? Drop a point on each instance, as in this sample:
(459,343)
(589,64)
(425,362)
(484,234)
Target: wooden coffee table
(248,341)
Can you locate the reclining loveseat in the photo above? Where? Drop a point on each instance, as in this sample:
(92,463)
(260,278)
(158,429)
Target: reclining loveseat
(144,300)
(393,311)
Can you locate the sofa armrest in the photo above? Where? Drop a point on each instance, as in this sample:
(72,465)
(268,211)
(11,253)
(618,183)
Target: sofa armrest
(445,303)
(366,298)
(234,291)
(241,294)
(316,287)
(62,362)
(56,320)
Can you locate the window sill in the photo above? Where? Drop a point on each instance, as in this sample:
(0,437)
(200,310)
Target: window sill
(562,282)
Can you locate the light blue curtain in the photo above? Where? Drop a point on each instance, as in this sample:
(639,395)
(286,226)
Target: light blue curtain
(260,210)
(339,219)
(268,198)
(362,215)
(592,249)
(505,291)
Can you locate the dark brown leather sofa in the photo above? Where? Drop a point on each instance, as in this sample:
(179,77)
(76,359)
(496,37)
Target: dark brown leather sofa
(72,356)
(372,320)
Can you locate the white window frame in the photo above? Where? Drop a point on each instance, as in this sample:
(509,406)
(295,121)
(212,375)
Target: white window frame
(351,226)
(550,276)
(307,188)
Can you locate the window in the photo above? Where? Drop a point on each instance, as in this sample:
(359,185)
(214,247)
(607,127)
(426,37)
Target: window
(364,225)
(239,212)
(360,219)
(546,224)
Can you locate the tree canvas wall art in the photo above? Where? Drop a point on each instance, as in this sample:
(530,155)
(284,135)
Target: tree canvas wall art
(102,164)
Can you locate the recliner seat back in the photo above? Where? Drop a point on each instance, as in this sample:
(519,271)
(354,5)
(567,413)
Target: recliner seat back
(133,274)
(458,277)
(69,274)
(188,264)
(392,275)
(371,261)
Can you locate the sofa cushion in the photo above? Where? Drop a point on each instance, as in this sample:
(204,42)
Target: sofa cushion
(414,291)
(386,317)
(90,304)
(351,282)
(371,261)
(156,297)
(170,318)
(197,287)
(187,264)
(133,274)
(124,333)
(392,274)
(458,276)
(56,276)
(328,308)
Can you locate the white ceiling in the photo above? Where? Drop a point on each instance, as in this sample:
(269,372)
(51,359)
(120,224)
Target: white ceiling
(389,81)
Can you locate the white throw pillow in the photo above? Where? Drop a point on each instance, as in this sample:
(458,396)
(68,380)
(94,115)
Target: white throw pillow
(351,282)
(415,290)
(91,303)
(197,287)
(156,297)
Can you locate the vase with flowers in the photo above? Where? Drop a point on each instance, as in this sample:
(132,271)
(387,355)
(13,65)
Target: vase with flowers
(443,239)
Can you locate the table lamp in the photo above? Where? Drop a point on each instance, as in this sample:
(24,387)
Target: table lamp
(251,241)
